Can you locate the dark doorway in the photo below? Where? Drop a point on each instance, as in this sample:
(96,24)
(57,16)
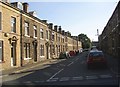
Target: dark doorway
(35,53)
(13,54)
(47,53)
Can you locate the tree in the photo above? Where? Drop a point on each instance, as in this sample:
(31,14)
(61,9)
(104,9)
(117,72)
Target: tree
(86,43)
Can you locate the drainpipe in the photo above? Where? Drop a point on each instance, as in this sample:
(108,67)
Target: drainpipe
(21,39)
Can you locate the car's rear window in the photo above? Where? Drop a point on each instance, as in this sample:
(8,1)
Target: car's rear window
(95,54)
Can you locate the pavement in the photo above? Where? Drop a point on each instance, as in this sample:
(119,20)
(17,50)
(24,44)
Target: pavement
(25,67)
(113,64)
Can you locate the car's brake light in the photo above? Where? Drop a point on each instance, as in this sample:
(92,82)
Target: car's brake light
(90,59)
(102,59)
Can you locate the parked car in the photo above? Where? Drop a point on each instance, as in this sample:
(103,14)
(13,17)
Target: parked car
(72,53)
(80,50)
(64,55)
(93,48)
(96,59)
(85,50)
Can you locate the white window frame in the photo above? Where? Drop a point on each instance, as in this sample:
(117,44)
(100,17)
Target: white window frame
(35,31)
(27,49)
(42,48)
(26,28)
(41,33)
(13,24)
(47,35)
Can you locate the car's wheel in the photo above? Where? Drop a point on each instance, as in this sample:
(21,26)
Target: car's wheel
(88,66)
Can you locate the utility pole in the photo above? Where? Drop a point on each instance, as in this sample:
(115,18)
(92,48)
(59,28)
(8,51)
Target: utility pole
(97,32)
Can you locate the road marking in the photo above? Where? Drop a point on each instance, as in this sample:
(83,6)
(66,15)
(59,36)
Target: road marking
(64,79)
(82,62)
(111,69)
(105,76)
(77,78)
(55,74)
(76,59)
(70,64)
(52,80)
(118,76)
(27,82)
(91,77)
(38,81)
(61,64)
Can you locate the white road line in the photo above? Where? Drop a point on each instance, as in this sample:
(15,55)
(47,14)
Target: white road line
(55,74)
(64,79)
(38,81)
(105,76)
(91,77)
(77,78)
(61,64)
(52,80)
(76,59)
(114,71)
(82,62)
(117,76)
(70,64)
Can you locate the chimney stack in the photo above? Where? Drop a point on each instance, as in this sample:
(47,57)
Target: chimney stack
(63,32)
(69,34)
(50,25)
(55,28)
(66,34)
(14,4)
(60,29)
(44,21)
(25,7)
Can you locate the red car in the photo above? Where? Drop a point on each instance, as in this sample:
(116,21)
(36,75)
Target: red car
(96,59)
(72,53)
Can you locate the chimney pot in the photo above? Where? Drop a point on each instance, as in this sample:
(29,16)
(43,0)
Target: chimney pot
(55,28)
(60,29)
(50,25)
(25,7)
(44,21)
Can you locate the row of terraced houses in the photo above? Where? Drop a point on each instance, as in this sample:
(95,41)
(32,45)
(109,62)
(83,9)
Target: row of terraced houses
(109,40)
(25,39)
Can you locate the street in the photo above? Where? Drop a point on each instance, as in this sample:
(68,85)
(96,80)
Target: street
(72,71)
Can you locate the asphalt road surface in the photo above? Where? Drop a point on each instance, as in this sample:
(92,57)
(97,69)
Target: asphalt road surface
(72,71)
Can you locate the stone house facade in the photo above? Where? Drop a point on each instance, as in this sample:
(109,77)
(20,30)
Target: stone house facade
(109,40)
(9,36)
(25,39)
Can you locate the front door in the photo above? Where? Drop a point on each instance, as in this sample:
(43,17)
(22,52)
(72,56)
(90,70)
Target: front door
(13,54)
(47,53)
(35,53)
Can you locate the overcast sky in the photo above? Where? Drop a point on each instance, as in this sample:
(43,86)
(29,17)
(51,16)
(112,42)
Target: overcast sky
(78,16)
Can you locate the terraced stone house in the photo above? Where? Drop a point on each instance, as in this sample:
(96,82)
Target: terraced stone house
(26,39)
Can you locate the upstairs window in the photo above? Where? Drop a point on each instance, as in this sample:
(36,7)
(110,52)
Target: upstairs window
(47,34)
(53,36)
(26,28)
(35,31)
(13,24)
(27,50)
(41,33)
(41,50)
